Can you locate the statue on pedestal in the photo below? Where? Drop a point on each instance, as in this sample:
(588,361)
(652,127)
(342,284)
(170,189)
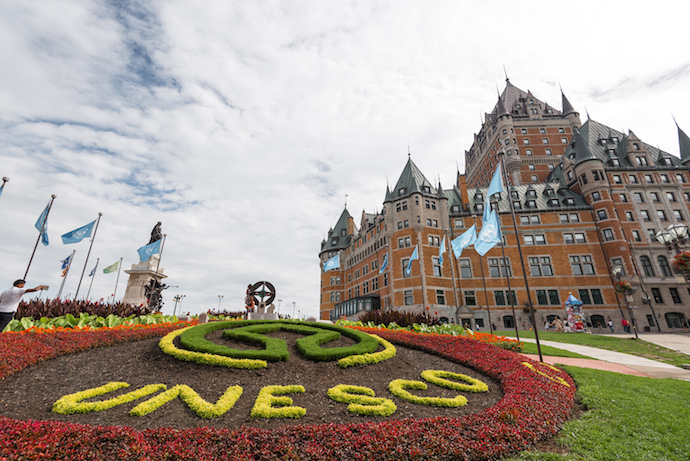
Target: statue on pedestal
(156,233)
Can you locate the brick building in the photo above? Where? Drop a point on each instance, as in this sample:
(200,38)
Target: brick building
(588,200)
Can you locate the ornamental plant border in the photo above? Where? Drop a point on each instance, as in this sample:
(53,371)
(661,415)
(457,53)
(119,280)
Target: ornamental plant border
(537,400)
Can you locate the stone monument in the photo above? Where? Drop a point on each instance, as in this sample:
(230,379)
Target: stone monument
(144,286)
(261,294)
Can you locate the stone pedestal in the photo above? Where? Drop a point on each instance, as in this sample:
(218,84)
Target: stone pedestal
(140,275)
(263,312)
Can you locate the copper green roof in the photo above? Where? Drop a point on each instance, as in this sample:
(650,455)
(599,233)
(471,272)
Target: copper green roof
(684,144)
(338,237)
(411,181)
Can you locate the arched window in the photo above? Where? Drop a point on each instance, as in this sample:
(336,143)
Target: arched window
(663,264)
(647,266)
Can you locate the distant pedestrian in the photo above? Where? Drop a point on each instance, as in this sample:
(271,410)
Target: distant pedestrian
(610,324)
(9,301)
(546,326)
(626,326)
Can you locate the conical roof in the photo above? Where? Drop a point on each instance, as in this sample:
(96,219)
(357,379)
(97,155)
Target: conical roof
(338,237)
(684,143)
(411,180)
(567,107)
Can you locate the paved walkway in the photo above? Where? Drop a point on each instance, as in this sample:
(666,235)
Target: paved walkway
(623,363)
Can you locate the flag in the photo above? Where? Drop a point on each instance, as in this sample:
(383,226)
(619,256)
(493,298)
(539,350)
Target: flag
(442,250)
(333,263)
(93,271)
(463,241)
(414,256)
(489,235)
(147,251)
(77,235)
(42,225)
(65,264)
(495,187)
(384,264)
(111,268)
(1,188)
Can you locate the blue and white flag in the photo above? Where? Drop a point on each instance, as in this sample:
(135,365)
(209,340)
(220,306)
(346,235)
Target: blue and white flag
(489,236)
(414,256)
(42,225)
(496,184)
(94,270)
(77,235)
(1,188)
(463,241)
(147,251)
(333,263)
(442,250)
(384,264)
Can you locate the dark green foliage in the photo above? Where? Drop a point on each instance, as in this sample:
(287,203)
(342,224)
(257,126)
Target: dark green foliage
(403,319)
(51,308)
(253,332)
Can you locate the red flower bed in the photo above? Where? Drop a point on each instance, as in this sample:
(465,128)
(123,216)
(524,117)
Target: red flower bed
(533,408)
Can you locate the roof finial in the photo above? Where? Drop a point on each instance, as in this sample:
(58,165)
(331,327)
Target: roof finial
(586,112)
(409,155)
(560,87)
(674,121)
(506,73)
(345,201)
(498,92)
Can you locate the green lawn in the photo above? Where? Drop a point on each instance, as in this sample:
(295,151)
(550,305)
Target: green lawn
(630,345)
(626,418)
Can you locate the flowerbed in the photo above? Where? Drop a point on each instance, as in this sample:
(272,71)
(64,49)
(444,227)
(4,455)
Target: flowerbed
(537,401)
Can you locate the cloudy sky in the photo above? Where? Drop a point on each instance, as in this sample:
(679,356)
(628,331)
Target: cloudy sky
(242,126)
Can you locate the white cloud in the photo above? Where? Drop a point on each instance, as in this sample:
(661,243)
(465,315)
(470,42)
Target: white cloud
(243,125)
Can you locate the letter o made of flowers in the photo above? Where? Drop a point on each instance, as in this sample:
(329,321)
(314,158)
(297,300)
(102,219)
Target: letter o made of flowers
(398,388)
(362,400)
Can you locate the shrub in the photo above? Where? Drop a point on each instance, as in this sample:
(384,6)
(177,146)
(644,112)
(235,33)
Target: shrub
(401,318)
(57,307)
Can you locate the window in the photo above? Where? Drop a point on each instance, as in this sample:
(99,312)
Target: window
(577,237)
(608,235)
(400,225)
(561,130)
(440,297)
(541,297)
(365,287)
(675,296)
(678,215)
(554,298)
(663,264)
(601,214)
(596,196)
(385,279)
(357,291)
(523,131)
(564,140)
(542,130)
(638,197)
(534,178)
(502,296)
(404,268)
(470,298)
(648,179)
(540,266)
(465,268)
(645,215)
(597,298)
(641,161)
(434,241)
(544,140)
(632,179)
(570,202)
(661,214)
(435,262)
(409,299)
(525,141)
(654,196)
(664,178)
(583,179)
(375,283)
(406,223)
(670,197)
(680,178)
(652,234)
(430,204)
(637,237)
(615,162)
(617,179)
(647,266)
(687,196)
(581,265)
(584,296)
(629,215)
(623,198)
(496,271)
(656,294)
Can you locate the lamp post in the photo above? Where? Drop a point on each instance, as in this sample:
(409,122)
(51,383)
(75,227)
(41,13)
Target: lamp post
(673,237)
(294,303)
(219,298)
(178,298)
(617,272)
(279,301)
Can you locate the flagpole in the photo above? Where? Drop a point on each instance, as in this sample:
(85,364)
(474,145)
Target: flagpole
(505,267)
(64,277)
(486,295)
(457,274)
(88,254)
(452,275)
(160,254)
(119,268)
(40,233)
(522,261)
(92,277)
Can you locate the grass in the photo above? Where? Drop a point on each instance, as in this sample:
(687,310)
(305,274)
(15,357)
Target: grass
(626,418)
(630,345)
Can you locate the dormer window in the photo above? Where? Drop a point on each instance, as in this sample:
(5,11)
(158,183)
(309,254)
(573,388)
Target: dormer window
(667,161)
(614,139)
(334,241)
(514,194)
(548,192)
(570,202)
(479,196)
(641,161)
(636,146)
(553,202)
(402,190)
(531,204)
(426,189)
(531,193)
(343,232)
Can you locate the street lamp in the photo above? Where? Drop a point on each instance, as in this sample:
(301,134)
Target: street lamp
(219,298)
(178,298)
(617,272)
(279,301)
(674,236)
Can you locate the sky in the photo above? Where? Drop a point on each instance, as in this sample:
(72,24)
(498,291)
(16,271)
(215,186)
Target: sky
(245,127)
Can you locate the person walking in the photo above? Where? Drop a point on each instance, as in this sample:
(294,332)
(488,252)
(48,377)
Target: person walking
(610,324)
(9,300)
